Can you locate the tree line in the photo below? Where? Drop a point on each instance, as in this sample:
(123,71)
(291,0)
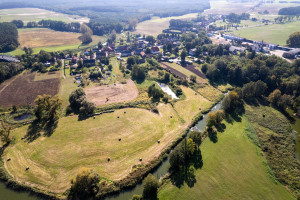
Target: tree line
(8,37)
(289,11)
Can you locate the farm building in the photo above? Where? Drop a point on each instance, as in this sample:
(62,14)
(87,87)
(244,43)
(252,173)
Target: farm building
(233,37)
(292,53)
(192,52)
(8,59)
(234,49)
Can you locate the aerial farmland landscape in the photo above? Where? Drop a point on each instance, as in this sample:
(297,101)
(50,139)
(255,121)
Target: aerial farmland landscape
(149,100)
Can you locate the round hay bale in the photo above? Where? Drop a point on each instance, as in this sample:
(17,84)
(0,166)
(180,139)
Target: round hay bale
(120,139)
(141,159)
(158,141)
(8,159)
(118,117)
(171,116)
(94,117)
(124,112)
(108,159)
(27,168)
(264,115)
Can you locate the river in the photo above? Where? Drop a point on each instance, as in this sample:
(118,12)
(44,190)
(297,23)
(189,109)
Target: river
(162,168)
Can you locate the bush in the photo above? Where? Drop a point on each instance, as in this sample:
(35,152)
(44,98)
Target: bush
(150,187)
(85,185)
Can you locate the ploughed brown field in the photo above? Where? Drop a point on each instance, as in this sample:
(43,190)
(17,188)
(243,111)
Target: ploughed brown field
(23,89)
(173,71)
(107,94)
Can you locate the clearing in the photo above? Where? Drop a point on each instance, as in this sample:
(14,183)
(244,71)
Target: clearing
(274,33)
(54,160)
(107,94)
(156,25)
(233,168)
(24,88)
(36,14)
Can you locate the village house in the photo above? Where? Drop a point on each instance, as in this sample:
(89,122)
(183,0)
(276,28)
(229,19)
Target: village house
(192,52)
(155,50)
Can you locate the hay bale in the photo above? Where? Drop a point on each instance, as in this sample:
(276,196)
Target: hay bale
(9,159)
(141,159)
(120,139)
(27,168)
(118,117)
(108,159)
(158,141)
(264,115)
(171,116)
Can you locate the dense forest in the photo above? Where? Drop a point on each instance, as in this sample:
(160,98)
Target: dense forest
(8,37)
(290,11)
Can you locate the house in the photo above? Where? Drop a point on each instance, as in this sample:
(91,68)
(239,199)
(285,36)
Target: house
(126,53)
(101,54)
(109,50)
(291,54)
(192,52)
(233,37)
(234,49)
(142,54)
(89,62)
(8,59)
(155,50)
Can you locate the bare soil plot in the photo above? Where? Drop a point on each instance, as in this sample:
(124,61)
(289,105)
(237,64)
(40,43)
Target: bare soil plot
(107,94)
(193,69)
(173,71)
(23,89)
(42,37)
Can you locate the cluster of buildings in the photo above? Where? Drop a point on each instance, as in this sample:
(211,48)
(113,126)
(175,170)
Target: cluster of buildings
(6,58)
(260,46)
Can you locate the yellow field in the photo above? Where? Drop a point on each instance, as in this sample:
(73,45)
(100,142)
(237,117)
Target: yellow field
(41,37)
(156,25)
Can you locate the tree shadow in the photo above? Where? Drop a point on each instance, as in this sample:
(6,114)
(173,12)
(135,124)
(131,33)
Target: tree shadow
(177,178)
(36,128)
(197,159)
(221,127)
(213,136)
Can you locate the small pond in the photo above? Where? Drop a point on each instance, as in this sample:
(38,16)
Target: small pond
(167,90)
(22,117)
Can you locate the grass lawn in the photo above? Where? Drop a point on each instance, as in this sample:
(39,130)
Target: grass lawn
(274,33)
(156,25)
(209,92)
(192,105)
(67,86)
(36,14)
(54,160)
(233,168)
(49,40)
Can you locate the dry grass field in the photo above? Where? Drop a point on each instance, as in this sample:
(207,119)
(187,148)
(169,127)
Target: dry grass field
(54,160)
(107,94)
(156,25)
(23,89)
(36,14)
(42,37)
(209,92)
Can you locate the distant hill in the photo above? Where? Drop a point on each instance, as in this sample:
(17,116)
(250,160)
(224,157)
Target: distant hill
(290,11)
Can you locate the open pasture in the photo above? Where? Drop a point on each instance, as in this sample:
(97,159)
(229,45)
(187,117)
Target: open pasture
(23,89)
(89,143)
(42,37)
(274,33)
(36,14)
(107,94)
(233,168)
(156,25)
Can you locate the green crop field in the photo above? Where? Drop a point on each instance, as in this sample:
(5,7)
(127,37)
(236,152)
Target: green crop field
(156,25)
(36,14)
(54,160)
(274,33)
(233,168)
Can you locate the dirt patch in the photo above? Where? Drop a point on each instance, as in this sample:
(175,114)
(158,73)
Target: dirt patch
(193,69)
(107,94)
(174,71)
(23,90)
